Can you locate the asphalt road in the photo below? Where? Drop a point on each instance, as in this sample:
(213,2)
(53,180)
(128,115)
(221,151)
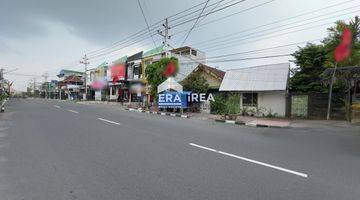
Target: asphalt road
(52,150)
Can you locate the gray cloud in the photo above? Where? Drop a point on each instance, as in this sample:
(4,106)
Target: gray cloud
(99,21)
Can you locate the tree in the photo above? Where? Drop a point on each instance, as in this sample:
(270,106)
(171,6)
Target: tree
(154,73)
(310,61)
(195,83)
(344,79)
(334,37)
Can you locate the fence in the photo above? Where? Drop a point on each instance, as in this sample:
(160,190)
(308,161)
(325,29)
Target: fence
(314,106)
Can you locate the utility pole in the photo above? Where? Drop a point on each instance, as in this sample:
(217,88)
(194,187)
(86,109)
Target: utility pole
(328,114)
(165,35)
(2,80)
(34,86)
(46,75)
(85,61)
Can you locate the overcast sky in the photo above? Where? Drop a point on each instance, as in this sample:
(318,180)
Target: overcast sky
(38,36)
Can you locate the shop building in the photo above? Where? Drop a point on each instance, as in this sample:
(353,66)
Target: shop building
(99,83)
(70,84)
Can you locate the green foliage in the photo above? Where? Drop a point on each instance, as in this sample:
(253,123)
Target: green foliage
(233,104)
(195,83)
(218,106)
(310,61)
(334,37)
(226,105)
(154,73)
(3,96)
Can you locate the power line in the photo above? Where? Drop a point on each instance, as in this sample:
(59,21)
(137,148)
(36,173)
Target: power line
(206,14)
(147,24)
(197,19)
(195,12)
(264,49)
(233,43)
(141,32)
(29,75)
(221,18)
(241,59)
(236,13)
(252,33)
(184,22)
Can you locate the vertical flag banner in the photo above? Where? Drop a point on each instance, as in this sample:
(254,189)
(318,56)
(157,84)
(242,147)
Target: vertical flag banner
(343,50)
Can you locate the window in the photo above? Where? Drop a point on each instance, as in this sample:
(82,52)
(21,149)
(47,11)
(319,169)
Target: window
(136,69)
(250,99)
(113,91)
(194,52)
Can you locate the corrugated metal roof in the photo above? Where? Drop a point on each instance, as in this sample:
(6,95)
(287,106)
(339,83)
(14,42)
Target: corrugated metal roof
(152,52)
(259,78)
(121,60)
(136,56)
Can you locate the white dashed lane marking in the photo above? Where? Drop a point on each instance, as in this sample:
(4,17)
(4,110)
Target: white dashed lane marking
(74,111)
(251,161)
(109,121)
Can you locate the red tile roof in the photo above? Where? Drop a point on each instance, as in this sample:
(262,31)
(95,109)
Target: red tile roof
(219,73)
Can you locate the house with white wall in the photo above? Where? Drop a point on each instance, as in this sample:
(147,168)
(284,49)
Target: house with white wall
(263,89)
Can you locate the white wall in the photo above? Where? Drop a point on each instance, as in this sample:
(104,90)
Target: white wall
(271,101)
(97,95)
(115,96)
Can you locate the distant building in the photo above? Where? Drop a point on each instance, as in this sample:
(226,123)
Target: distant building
(189,58)
(262,89)
(70,84)
(98,82)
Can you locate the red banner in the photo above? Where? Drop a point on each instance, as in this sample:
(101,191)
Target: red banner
(170,70)
(343,50)
(117,73)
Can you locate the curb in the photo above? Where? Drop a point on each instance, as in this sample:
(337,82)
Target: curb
(245,124)
(157,113)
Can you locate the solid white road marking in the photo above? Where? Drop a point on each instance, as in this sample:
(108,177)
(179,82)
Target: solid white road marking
(252,161)
(105,120)
(73,111)
(56,106)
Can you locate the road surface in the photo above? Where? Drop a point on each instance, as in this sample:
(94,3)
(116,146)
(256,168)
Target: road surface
(60,150)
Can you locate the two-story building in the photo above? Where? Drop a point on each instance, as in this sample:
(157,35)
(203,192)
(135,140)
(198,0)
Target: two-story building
(116,77)
(70,84)
(98,80)
(135,80)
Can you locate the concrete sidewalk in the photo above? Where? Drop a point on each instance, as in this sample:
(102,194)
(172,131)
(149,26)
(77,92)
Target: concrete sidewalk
(245,120)
(241,120)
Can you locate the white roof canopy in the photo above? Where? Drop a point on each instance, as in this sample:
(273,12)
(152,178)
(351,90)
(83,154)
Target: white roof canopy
(260,78)
(170,84)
